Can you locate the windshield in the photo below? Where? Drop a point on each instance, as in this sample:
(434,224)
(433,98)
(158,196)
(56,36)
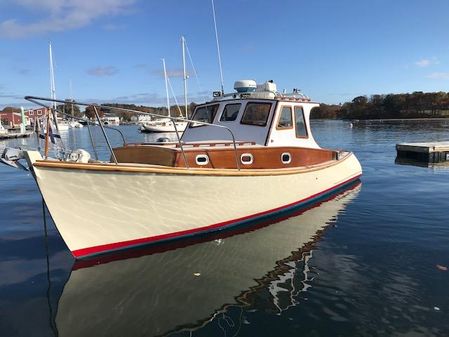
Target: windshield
(205,113)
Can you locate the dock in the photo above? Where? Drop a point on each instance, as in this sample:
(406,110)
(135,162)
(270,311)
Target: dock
(430,152)
(9,135)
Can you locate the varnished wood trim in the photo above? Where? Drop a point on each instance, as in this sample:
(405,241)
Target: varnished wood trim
(136,168)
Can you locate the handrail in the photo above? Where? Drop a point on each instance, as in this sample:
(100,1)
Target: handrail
(105,136)
(35,99)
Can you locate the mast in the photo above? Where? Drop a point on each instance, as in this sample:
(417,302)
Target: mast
(71,98)
(183,43)
(166,87)
(52,78)
(218,48)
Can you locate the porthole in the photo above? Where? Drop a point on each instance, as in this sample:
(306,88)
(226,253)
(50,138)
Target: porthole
(246,158)
(202,159)
(286,158)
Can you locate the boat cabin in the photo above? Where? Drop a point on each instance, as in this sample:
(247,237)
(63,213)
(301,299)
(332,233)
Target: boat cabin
(261,115)
(270,130)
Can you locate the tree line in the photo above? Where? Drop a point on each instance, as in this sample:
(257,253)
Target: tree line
(402,106)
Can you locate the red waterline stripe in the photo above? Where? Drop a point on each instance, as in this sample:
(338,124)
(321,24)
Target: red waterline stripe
(123,244)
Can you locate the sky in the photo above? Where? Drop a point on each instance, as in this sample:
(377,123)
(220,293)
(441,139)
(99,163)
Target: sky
(111,50)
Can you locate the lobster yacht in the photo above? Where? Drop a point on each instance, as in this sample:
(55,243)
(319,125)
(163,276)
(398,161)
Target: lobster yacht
(243,156)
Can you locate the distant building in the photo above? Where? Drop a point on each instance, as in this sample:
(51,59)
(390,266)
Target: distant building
(13,119)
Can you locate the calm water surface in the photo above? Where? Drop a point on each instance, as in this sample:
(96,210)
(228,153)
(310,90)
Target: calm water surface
(369,262)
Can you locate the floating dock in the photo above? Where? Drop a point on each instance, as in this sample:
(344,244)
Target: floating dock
(431,152)
(10,135)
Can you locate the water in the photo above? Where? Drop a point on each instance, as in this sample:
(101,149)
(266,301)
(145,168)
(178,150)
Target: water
(369,262)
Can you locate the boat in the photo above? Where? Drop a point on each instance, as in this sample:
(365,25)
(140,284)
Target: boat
(63,125)
(151,291)
(75,125)
(165,125)
(244,156)
(3,131)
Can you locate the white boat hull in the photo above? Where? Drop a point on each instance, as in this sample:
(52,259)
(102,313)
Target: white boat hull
(107,208)
(163,127)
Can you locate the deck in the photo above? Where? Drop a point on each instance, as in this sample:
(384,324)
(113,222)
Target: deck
(429,152)
(10,135)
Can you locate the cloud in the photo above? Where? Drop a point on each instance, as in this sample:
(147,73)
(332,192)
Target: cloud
(23,71)
(439,76)
(111,27)
(170,73)
(14,96)
(61,15)
(102,71)
(426,62)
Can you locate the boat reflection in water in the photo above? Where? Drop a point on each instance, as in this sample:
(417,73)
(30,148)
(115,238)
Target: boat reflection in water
(154,292)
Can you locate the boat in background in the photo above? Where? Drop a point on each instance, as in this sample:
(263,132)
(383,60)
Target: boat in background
(163,125)
(75,125)
(151,291)
(63,125)
(3,131)
(167,124)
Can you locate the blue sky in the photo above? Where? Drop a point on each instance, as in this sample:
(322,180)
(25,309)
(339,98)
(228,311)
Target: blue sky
(111,50)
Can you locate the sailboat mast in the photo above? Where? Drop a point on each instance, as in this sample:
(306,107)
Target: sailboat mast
(218,48)
(52,78)
(71,97)
(166,87)
(183,42)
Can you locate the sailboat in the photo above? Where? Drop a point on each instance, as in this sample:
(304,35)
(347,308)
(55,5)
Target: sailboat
(166,124)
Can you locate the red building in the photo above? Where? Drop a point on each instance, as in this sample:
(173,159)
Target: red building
(12,117)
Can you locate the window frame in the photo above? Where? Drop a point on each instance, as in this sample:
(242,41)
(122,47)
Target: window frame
(303,120)
(281,128)
(267,118)
(224,109)
(192,124)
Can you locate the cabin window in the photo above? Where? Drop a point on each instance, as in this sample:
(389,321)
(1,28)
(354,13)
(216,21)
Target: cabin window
(285,118)
(301,131)
(230,112)
(204,114)
(246,158)
(202,159)
(256,114)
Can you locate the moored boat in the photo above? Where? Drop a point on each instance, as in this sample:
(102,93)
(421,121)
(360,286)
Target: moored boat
(243,156)
(151,292)
(163,125)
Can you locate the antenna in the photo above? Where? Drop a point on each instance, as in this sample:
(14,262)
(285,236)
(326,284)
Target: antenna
(218,48)
(183,44)
(166,87)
